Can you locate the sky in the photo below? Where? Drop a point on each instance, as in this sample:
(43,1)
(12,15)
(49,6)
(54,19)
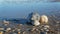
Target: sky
(21,8)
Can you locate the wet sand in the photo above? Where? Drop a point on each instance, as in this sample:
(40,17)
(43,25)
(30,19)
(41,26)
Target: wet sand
(28,29)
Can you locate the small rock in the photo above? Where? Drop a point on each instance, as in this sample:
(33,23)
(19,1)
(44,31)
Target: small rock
(33,29)
(37,30)
(18,29)
(24,32)
(8,30)
(18,32)
(1,32)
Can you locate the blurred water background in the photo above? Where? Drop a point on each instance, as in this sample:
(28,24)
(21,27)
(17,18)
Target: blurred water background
(21,9)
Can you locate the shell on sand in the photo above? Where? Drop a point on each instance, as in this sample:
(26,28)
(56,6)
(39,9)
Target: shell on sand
(44,19)
(34,18)
(36,23)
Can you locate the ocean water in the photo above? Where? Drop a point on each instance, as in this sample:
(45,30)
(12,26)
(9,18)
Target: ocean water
(21,10)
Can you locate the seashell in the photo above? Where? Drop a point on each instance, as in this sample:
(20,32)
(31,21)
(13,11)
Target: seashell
(44,19)
(35,23)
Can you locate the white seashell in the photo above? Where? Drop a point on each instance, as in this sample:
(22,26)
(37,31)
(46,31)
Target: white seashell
(46,26)
(47,30)
(8,29)
(36,23)
(33,16)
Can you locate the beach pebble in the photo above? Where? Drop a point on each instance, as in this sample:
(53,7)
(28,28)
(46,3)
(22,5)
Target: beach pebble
(33,29)
(14,33)
(37,29)
(46,26)
(18,32)
(13,30)
(24,32)
(18,29)
(8,29)
(1,32)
